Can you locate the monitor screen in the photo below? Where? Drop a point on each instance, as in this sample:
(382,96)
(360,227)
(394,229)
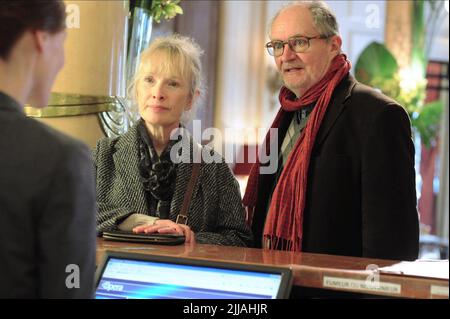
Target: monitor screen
(141,276)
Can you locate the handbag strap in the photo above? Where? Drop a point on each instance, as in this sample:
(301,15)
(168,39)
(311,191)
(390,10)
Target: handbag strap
(182,217)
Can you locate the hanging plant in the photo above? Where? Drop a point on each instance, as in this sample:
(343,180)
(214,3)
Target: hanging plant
(166,9)
(158,9)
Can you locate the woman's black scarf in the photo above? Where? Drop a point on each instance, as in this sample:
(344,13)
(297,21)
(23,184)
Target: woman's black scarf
(157,173)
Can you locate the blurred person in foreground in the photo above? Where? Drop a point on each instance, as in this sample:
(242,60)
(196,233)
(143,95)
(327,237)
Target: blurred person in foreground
(47,194)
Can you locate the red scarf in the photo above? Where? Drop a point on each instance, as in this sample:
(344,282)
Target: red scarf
(284,222)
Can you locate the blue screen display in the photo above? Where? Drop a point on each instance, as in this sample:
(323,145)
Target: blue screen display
(140,279)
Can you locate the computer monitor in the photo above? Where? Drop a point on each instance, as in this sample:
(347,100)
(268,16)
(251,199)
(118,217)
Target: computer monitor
(141,276)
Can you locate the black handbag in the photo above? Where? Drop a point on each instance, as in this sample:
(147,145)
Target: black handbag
(156,238)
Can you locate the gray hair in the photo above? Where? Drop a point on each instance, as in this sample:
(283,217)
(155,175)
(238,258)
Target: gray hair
(324,18)
(182,57)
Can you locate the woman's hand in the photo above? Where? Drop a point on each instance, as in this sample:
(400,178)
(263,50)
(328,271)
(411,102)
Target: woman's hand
(166,226)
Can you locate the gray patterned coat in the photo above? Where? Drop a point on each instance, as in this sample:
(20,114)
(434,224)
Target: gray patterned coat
(216,214)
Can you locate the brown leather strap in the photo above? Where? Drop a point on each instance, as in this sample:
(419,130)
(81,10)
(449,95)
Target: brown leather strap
(183,215)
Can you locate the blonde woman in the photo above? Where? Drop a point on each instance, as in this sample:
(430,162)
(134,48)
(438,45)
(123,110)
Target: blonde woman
(141,184)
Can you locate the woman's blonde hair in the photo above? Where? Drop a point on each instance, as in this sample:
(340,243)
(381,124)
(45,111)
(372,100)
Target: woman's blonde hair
(180,56)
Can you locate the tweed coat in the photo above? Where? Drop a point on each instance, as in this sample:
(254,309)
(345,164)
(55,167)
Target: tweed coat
(215,214)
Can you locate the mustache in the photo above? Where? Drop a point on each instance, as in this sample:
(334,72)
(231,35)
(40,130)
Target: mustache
(291,66)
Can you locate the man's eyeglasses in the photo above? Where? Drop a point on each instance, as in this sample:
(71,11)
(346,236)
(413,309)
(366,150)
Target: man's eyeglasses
(296,44)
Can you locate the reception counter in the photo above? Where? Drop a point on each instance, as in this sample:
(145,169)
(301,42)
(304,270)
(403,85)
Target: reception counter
(317,275)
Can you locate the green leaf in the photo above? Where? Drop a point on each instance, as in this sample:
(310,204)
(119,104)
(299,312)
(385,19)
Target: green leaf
(428,121)
(178,9)
(169,10)
(375,62)
(166,9)
(157,16)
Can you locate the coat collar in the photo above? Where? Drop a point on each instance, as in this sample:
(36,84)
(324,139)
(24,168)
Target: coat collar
(340,95)
(126,163)
(126,160)
(9,104)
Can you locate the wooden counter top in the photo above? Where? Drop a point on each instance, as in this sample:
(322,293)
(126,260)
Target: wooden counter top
(310,270)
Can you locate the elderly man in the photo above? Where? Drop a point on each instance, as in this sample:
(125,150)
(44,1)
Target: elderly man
(345,183)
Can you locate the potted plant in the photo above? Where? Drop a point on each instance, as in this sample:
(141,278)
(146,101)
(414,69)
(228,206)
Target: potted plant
(377,67)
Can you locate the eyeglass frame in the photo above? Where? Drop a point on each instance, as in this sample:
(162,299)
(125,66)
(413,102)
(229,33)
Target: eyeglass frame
(308,39)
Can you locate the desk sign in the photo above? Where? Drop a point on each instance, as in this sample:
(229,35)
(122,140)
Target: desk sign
(439,291)
(361,285)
